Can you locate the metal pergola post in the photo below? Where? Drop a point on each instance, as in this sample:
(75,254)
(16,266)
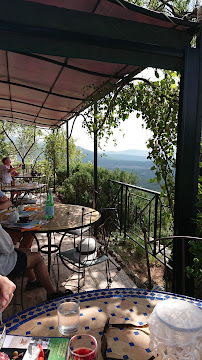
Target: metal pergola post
(187,163)
(95,192)
(67,141)
(54,166)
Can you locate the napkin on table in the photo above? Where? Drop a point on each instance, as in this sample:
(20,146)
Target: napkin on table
(31,208)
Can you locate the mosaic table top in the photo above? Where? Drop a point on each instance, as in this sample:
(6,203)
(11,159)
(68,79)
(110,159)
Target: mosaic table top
(23,187)
(121,305)
(66,217)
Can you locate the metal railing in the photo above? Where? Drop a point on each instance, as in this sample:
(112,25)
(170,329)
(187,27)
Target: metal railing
(140,210)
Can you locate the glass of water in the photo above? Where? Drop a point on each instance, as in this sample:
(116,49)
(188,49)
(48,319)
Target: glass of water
(68,316)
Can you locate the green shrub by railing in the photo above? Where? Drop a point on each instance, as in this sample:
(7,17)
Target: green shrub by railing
(79,187)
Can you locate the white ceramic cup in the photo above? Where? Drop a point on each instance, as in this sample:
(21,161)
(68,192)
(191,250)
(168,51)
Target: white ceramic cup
(20,208)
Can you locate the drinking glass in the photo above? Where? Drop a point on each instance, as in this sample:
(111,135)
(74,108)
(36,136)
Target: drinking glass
(68,316)
(83,347)
(2,334)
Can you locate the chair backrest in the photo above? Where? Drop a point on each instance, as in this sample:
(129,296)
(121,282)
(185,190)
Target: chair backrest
(105,228)
(162,241)
(86,248)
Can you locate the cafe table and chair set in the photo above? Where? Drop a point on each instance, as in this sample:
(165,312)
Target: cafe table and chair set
(21,192)
(125,323)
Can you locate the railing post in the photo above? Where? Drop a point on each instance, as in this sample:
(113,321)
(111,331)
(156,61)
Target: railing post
(121,210)
(155,222)
(125,215)
(147,256)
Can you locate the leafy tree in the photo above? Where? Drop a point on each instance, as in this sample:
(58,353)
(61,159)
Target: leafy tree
(157,101)
(56,154)
(23,140)
(4,150)
(177,8)
(158,104)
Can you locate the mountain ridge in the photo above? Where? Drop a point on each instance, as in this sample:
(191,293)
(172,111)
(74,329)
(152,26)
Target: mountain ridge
(128,160)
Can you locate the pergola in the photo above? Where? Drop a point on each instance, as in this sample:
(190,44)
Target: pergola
(55,54)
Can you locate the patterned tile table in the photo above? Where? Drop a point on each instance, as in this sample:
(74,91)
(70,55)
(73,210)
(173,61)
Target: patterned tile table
(121,305)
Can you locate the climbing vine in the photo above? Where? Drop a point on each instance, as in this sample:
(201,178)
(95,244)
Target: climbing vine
(157,102)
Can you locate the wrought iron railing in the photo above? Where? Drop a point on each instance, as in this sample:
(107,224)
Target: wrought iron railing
(141,210)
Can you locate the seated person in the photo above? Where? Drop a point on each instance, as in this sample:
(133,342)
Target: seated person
(25,239)
(14,262)
(7,171)
(7,287)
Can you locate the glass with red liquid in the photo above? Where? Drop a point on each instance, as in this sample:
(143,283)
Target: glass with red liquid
(83,347)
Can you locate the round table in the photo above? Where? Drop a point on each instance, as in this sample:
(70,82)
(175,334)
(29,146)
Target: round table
(22,187)
(66,217)
(121,305)
(29,176)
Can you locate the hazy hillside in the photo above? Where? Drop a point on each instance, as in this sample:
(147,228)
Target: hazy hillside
(128,160)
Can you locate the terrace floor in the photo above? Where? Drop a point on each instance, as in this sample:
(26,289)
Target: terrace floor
(95,279)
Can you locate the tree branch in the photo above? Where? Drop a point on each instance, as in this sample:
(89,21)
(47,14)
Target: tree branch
(30,146)
(155,87)
(12,143)
(36,159)
(171,7)
(109,109)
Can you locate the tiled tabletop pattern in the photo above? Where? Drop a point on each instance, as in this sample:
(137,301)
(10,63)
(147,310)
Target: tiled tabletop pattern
(121,305)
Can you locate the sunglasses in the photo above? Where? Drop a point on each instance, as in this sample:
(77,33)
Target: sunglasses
(120,326)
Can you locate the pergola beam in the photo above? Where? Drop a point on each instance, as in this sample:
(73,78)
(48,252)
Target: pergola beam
(75,34)
(67,66)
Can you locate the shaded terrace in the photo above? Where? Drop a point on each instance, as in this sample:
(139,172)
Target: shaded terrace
(50,54)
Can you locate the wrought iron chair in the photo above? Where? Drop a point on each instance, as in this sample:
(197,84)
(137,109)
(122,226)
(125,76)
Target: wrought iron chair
(168,267)
(87,251)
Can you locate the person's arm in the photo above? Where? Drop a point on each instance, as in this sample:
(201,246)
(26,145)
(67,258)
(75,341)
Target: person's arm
(13,170)
(7,288)
(5,203)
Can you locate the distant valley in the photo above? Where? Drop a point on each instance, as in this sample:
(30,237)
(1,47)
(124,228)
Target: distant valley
(128,160)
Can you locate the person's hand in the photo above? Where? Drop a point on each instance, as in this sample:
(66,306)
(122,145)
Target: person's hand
(7,288)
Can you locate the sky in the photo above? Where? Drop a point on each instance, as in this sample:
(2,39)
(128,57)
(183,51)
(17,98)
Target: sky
(132,136)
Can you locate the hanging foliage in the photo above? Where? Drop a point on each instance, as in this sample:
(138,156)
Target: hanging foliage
(157,102)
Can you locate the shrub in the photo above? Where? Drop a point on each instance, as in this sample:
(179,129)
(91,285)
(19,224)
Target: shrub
(79,187)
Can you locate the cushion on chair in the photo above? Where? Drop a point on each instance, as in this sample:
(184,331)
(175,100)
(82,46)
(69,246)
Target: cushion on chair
(86,249)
